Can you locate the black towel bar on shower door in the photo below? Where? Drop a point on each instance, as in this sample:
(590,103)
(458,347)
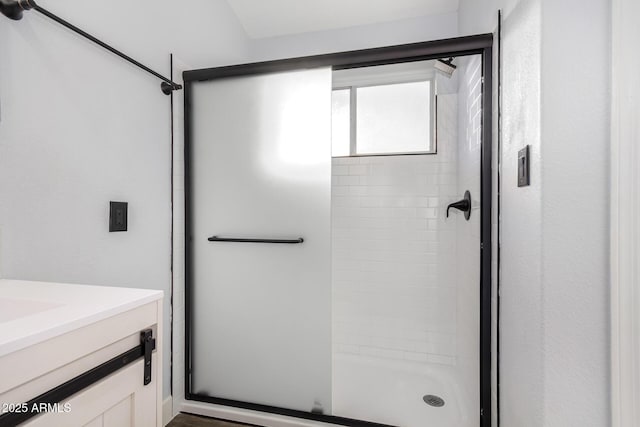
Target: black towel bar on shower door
(237,240)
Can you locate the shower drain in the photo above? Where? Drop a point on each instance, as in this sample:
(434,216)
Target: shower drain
(432,400)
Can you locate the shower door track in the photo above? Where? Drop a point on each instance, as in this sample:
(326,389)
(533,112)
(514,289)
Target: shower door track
(481,44)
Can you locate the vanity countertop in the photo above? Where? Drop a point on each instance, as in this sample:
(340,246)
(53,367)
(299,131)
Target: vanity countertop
(33,312)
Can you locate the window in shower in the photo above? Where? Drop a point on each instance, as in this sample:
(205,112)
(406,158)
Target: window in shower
(383,119)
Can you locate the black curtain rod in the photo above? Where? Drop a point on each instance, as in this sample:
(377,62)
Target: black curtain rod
(13,9)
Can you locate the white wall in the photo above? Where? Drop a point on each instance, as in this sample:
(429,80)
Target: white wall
(521,332)
(576,41)
(80,127)
(413,30)
(554,365)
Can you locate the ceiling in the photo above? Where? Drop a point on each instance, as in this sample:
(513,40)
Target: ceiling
(269,18)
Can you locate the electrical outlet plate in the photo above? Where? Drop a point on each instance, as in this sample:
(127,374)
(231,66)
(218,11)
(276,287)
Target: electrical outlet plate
(118,216)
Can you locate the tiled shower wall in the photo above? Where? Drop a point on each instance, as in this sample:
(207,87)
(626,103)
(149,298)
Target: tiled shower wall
(394,271)
(468,232)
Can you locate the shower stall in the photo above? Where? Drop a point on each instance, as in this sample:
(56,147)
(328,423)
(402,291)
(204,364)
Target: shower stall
(338,237)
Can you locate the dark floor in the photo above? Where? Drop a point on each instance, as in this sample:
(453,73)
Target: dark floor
(187,420)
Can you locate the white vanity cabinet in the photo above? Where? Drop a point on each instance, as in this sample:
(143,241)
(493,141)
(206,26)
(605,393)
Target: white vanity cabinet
(57,338)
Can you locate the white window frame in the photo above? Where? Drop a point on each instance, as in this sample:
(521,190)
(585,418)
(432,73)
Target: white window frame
(353,116)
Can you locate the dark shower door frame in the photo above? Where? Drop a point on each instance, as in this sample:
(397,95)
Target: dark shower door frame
(481,44)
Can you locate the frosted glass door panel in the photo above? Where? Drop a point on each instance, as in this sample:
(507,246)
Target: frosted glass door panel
(261,168)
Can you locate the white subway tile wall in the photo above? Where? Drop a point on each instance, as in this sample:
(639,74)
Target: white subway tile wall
(468,232)
(394,252)
(469,155)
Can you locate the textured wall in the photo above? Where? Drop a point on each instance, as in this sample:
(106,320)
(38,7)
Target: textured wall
(554,365)
(575,82)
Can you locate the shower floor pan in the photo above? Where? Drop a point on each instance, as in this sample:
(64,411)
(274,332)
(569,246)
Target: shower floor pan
(392,392)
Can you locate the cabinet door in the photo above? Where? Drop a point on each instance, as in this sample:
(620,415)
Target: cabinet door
(120,400)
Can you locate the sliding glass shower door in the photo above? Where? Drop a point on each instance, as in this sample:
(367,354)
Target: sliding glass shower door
(260,250)
(352,289)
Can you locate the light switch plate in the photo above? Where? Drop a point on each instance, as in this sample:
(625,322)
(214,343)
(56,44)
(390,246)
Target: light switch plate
(117,216)
(523,167)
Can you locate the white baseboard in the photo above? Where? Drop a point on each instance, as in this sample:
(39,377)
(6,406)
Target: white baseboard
(167,411)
